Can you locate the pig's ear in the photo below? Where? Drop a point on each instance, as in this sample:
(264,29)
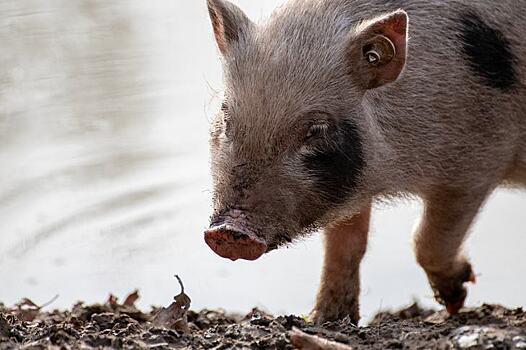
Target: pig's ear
(378,49)
(229,23)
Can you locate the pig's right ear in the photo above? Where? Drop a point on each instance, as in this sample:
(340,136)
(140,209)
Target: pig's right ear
(378,49)
(229,23)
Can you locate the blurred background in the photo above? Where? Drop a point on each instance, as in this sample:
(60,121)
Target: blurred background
(104,181)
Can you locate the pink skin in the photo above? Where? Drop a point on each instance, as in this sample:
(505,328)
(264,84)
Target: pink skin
(228,241)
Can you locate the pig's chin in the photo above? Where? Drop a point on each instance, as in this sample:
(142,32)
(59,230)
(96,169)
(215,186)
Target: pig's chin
(233,241)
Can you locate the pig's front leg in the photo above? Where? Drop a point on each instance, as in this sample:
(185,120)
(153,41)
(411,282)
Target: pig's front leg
(345,245)
(438,243)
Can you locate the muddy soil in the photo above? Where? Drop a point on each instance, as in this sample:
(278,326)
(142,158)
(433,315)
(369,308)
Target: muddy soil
(114,325)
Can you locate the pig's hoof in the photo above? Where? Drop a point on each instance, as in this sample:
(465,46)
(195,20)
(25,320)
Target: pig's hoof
(328,313)
(229,242)
(450,290)
(320,318)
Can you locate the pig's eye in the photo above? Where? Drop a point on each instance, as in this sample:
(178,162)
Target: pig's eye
(227,125)
(224,107)
(316,131)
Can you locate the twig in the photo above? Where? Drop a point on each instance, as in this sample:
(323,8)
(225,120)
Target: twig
(304,341)
(180,283)
(49,302)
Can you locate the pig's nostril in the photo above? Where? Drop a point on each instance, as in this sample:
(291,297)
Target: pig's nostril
(229,242)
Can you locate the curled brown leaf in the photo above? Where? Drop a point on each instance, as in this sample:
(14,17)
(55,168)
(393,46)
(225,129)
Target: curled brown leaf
(174,316)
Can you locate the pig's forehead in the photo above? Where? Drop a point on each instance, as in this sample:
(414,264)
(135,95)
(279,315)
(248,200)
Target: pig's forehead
(291,43)
(286,64)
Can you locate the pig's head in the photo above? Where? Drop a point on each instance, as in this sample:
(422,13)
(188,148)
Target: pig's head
(289,147)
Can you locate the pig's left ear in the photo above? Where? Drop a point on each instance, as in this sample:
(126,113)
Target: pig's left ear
(229,23)
(378,49)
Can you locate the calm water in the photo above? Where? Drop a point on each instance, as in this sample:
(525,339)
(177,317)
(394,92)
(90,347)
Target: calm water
(104,184)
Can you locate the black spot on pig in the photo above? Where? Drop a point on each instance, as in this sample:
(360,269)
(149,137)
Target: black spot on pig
(487,52)
(337,166)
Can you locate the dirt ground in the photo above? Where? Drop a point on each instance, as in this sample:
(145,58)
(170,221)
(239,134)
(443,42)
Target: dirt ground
(122,325)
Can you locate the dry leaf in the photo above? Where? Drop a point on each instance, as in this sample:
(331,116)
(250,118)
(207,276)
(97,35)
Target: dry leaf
(27,310)
(174,316)
(304,341)
(131,299)
(25,302)
(112,300)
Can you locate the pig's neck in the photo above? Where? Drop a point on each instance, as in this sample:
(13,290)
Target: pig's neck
(394,165)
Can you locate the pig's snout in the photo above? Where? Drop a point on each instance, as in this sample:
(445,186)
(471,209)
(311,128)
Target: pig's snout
(229,241)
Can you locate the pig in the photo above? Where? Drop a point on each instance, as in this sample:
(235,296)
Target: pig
(333,105)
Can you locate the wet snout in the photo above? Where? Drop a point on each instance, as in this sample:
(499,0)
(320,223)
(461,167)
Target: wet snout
(232,241)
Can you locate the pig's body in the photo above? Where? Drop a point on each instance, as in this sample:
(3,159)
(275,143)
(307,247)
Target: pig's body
(445,122)
(449,129)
